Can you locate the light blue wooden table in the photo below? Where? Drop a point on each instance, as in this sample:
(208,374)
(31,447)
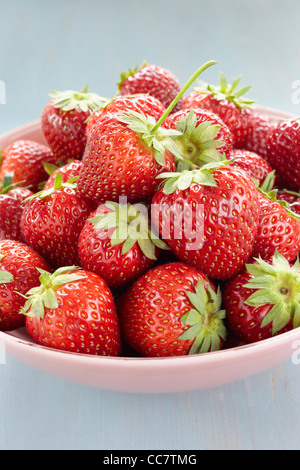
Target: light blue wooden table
(66,44)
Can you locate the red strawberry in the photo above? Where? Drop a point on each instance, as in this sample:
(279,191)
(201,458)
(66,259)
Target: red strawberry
(278,229)
(68,171)
(153,79)
(141,103)
(73,310)
(116,243)
(262,300)
(256,166)
(261,126)
(208,217)
(172,310)
(125,152)
(11,208)
(64,119)
(203,136)
(283,152)
(292,198)
(19,266)
(25,158)
(228,103)
(52,221)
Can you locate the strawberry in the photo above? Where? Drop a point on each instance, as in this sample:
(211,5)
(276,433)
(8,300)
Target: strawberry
(208,217)
(256,166)
(203,136)
(68,171)
(261,126)
(172,310)
(283,152)
(19,266)
(227,102)
(11,208)
(292,198)
(63,121)
(116,242)
(73,310)
(25,158)
(140,102)
(158,81)
(125,152)
(263,299)
(52,220)
(278,228)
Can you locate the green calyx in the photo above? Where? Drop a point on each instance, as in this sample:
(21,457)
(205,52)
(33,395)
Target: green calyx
(43,296)
(7,183)
(69,99)
(225,91)
(58,184)
(151,133)
(182,180)
(272,196)
(276,284)
(205,320)
(197,143)
(131,225)
(5,276)
(268,183)
(129,73)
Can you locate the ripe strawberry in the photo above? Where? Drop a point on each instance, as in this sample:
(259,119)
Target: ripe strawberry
(126,151)
(153,79)
(278,229)
(262,300)
(292,198)
(172,310)
(283,152)
(119,161)
(116,242)
(141,103)
(73,310)
(18,273)
(203,136)
(11,208)
(68,171)
(208,217)
(256,166)
(64,119)
(25,158)
(225,101)
(261,126)
(52,220)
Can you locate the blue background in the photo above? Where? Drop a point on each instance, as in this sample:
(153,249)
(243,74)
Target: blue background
(66,44)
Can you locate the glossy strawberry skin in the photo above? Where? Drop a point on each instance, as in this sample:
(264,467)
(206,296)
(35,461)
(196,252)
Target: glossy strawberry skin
(283,152)
(117,163)
(98,255)
(235,118)
(276,230)
(67,171)
(11,208)
(22,262)
(255,165)
(150,310)
(52,225)
(25,159)
(243,320)
(261,126)
(228,214)
(65,131)
(141,102)
(84,322)
(155,80)
(224,134)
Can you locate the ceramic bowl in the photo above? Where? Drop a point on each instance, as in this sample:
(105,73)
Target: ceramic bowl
(148,375)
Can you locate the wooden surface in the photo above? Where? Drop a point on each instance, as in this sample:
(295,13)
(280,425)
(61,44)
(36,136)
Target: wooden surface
(66,44)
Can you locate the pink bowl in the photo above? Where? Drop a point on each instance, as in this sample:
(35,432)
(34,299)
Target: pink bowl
(148,375)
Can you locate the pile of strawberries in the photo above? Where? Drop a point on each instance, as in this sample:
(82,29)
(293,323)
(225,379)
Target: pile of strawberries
(159,222)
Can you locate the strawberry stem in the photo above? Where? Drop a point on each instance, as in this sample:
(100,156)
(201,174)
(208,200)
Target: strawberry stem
(182,91)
